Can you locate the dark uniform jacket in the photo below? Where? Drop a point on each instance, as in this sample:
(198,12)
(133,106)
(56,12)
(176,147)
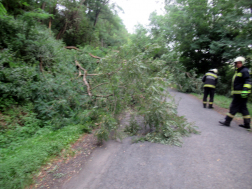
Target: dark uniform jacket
(241,81)
(210,79)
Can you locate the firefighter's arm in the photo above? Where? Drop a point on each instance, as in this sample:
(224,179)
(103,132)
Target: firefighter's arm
(247,82)
(246,86)
(204,78)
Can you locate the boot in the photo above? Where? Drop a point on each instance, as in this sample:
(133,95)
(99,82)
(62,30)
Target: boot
(246,124)
(210,106)
(226,122)
(204,105)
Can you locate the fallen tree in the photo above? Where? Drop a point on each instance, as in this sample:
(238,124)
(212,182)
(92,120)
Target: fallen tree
(137,84)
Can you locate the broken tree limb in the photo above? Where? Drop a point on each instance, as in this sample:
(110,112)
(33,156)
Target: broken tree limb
(104,96)
(71,47)
(97,57)
(188,74)
(84,78)
(89,88)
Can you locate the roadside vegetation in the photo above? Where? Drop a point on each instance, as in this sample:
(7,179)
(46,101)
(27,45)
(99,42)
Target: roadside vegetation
(224,102)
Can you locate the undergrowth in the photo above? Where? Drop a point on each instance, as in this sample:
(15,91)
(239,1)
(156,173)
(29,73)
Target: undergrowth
(19,163)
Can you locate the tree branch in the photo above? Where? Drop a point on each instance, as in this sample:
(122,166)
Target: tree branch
(71,47)
(103,96)
(97,57)
(84,77)
(187,73)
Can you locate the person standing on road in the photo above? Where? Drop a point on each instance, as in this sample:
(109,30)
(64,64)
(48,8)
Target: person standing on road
(210,80)
(241,88)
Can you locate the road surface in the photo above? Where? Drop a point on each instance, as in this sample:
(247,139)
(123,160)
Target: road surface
(219,158)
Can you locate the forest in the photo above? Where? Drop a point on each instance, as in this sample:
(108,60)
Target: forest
(69,67)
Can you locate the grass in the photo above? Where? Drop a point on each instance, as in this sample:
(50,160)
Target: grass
(224,102)
(19,164)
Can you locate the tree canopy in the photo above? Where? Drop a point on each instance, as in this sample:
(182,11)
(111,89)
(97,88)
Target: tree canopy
(206,34)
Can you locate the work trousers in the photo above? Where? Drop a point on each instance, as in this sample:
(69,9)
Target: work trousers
(239,104)
(208,91)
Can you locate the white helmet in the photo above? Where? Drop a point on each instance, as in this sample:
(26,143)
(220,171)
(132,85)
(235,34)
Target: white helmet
(214,70)
(240,59)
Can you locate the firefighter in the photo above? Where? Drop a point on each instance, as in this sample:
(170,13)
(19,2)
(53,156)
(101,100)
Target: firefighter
(241,88)
(210,80)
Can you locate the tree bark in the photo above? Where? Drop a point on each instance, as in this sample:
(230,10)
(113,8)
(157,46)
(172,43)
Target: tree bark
(40,64)
(43,5)
(96,16)
(84,77)
(50,23)
(62,31)
(98,12)
(71,47)
(50,20)
(97,57)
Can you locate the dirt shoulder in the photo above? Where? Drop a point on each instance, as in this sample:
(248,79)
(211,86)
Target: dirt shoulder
(62,168)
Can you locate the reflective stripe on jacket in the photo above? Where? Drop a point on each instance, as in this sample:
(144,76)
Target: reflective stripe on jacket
(241,81)
(210,79)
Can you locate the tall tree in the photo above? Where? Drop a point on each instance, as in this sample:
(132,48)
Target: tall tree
(206,33)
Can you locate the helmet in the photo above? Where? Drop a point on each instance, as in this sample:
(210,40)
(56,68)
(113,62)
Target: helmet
(240,59)
(214,70)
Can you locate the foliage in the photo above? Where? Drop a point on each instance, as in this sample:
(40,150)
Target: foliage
(3,11)
(206,34)
(18,163)
(19,123)
(130,78)
(44,76)
(133,128)
(172,131)
(90,22)
(185,81)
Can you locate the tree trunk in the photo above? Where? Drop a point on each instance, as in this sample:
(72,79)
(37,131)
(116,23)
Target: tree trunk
(83,1)
(40,64)
(96,16)
(50,23)
(98,12)
(50,20)
(43,5)
(62,31)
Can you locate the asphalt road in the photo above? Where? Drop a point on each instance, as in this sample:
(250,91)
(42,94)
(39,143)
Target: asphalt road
(218,158)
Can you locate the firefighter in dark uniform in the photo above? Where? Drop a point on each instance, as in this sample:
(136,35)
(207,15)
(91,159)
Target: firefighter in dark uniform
(210,80)
(241,88)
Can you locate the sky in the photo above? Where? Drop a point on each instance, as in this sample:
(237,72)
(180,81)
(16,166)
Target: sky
(138,11)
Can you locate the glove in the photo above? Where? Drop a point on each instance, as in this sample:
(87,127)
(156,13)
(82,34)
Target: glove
(244,94)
